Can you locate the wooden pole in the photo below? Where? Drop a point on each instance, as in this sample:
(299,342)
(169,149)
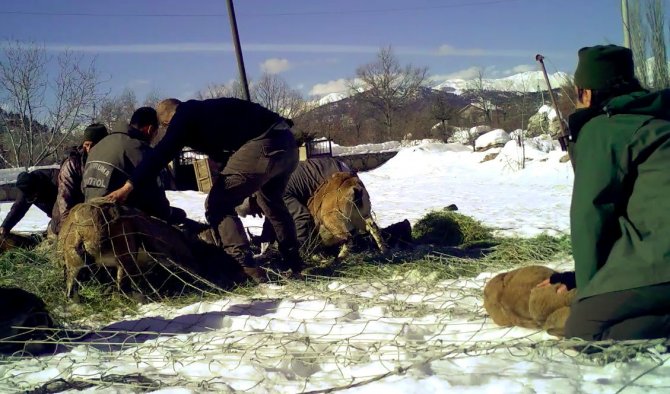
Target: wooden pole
(238,50)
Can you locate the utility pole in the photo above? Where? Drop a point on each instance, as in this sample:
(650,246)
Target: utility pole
(238,50)
(626,25)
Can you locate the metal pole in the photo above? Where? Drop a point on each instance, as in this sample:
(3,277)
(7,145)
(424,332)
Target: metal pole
(238,50)
(565,136)
(626,25)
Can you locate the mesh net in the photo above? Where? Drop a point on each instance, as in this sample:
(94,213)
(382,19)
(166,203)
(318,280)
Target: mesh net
(322,334)
(412,314)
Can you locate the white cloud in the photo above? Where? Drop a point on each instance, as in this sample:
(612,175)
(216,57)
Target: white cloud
(468,73)
(337,86)
(181,47)
(522,68)
(275,65)
(134,83)
(448,50)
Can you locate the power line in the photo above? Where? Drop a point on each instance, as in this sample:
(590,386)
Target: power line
(218,15)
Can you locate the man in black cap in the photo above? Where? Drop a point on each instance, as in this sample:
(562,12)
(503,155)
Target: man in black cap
(70,176)
(620,211)
(37,187)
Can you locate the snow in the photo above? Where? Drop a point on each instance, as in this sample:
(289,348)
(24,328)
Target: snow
(464,136)
(402,335)
(331,98)
(529,81)
(492,138)
(549,110)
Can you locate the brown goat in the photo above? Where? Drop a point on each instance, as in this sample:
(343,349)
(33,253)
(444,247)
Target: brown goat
(341,208)
(116,236)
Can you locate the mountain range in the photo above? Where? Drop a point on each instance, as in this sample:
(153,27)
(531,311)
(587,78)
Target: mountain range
(529,81)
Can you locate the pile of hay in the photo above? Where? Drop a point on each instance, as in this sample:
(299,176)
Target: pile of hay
(448,228)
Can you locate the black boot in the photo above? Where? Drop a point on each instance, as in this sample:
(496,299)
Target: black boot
(291,260)
(252,270)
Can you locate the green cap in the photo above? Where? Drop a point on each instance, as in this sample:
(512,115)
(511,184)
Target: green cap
(604,66)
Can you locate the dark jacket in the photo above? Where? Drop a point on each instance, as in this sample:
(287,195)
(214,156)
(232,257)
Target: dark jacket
(304,181)
(309,175)
(46,198)
(110,163)
(214,127)
(69,186)
(620,213)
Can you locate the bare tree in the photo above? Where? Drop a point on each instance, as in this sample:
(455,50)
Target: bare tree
(655,19)
(444,112)
(214,90)
(42,113)
(356,115)
(639,40)
(478,87)
(152,98)
(115,112)
(388,87)
(274,93)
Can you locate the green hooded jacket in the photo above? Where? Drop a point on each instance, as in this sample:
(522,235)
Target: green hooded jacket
(620,212)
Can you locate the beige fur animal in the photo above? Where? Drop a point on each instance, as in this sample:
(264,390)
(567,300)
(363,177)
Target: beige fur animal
(341,208)
(119,237)
(512,299)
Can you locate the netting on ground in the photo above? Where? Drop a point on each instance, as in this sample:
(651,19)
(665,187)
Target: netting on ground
(412,315)
(140,254)
(326,334)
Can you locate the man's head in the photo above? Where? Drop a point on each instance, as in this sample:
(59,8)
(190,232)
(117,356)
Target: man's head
(92,135)
(28,184)
(606,69)
(145,120)
(166,110)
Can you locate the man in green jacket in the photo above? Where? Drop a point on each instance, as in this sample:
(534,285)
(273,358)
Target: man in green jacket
(620,212)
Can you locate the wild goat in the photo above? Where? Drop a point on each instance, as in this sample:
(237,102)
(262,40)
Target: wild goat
(115,236)
(341,208)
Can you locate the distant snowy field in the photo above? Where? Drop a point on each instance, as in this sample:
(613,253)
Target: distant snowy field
(410,334)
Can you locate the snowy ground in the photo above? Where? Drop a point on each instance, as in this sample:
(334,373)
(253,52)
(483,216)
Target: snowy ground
(405,335)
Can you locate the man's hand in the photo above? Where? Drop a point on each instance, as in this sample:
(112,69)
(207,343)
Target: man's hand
(120,194)
(3,231)
(559,290)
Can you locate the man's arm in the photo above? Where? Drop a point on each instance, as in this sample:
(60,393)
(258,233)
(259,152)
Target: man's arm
(158,158)
(121,194)
(16,213)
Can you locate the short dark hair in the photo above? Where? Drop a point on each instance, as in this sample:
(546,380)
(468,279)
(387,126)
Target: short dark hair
(600,97)
(144,116)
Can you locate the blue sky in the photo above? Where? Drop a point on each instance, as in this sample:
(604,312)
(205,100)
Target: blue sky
(178,47)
